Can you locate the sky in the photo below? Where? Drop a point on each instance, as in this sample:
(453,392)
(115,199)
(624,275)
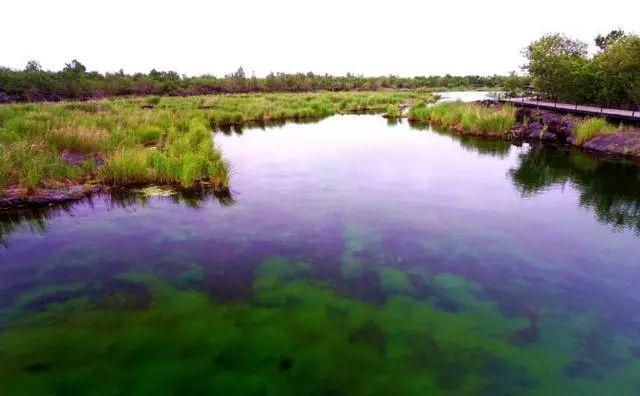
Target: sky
(371,38)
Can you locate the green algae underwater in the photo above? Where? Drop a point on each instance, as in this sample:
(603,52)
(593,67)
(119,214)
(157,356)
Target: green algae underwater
(296,336)
(376,272)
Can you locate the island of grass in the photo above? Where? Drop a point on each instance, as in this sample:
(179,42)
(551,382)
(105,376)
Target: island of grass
(59,151)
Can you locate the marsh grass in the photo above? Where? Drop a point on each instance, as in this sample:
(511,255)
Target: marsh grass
(393,111)
(80,139)
(168,143)
(467,117)
(590,128)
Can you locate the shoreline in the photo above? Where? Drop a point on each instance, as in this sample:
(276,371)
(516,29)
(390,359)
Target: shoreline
(553,128)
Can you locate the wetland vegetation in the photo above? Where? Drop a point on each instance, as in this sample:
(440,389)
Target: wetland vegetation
(466,117)
(164,140)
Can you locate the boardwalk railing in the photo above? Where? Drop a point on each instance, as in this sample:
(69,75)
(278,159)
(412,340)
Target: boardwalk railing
(534,101)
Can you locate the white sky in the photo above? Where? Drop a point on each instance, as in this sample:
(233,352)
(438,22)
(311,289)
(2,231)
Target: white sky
(404,38)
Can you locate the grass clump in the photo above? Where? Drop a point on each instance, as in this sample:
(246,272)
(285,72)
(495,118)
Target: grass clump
(466,117)
(393,112)
(590,128)
(148,134)
(80,139)
(126,166)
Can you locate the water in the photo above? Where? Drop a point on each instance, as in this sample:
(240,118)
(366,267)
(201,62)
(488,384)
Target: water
(353,256)
(465,96)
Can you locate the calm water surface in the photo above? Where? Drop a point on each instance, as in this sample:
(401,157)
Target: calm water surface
(353,257)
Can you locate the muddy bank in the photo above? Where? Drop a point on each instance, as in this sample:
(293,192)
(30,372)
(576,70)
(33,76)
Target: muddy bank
(14,197)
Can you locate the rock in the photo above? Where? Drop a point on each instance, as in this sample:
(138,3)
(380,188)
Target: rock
(77,159)
(5,98)
(524,113)
(543,125)
(15,196)
(557,124)
(622,143)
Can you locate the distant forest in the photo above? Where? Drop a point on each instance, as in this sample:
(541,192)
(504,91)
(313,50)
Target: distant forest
(34,84)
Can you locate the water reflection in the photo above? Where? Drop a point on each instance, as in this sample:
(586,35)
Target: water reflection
(493,147)
(610,188)
(36,217)
(238,129)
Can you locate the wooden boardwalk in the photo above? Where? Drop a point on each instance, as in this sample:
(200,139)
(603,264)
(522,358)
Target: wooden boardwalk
(615,114)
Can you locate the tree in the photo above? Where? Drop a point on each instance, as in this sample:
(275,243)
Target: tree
(603,42)
(618,69)
(33,66)
(74,67)
(73,79)
(513,84)
(551,60)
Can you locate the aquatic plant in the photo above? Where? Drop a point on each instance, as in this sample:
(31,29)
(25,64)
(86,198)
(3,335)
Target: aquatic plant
(139,333)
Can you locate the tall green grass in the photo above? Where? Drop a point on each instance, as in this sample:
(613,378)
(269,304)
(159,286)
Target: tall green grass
(393,111)
(468,117)
(590,128)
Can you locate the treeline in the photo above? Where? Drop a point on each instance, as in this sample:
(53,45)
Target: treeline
(562,69)
(33,84)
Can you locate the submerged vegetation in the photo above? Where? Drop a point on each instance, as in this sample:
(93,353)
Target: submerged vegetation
(470,118)
(149,140)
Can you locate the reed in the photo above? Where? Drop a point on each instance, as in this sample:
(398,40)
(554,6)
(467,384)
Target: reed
(467,117)
(591,127)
